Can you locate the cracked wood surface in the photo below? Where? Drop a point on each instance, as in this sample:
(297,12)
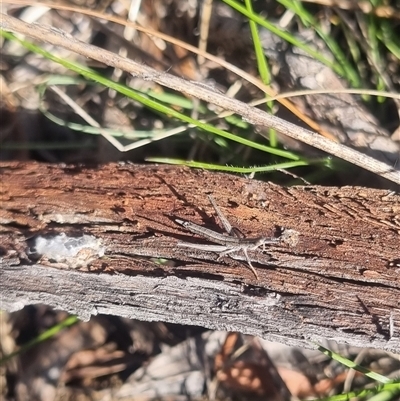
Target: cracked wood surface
(336,277)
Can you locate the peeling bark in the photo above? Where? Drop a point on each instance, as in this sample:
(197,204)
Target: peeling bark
(336,277)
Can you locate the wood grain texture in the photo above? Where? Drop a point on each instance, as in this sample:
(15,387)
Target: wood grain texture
(338,279)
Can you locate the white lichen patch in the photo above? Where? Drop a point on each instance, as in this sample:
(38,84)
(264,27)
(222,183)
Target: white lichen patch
(290,237)
(73,252)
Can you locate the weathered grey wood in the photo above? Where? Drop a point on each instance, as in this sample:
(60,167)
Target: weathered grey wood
(338,279)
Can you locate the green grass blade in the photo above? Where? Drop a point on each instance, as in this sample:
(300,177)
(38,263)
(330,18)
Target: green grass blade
(345,69)
(260,57)
(392,388)
(230,169)
(51,332)
(285,35)
(350,364)
(263,67)
(389,39)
